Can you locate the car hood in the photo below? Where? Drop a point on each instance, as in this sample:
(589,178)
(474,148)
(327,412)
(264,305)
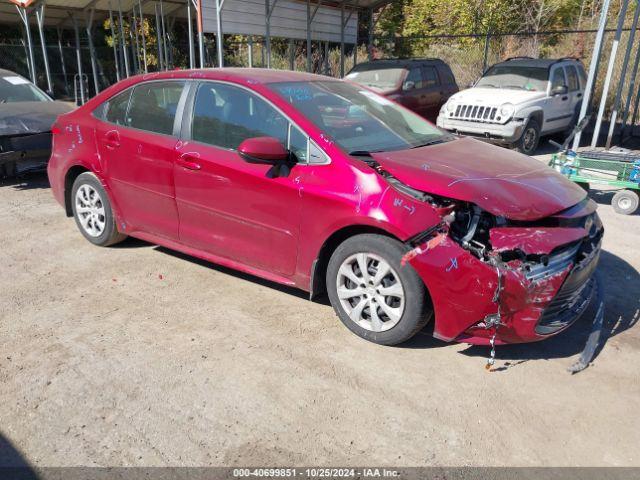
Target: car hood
(495,96)
(498,180)
(22,118)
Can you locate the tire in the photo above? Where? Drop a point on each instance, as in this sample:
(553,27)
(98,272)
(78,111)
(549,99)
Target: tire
(96,222)
(625,202)
(528,142)
(407,307)
(584,185)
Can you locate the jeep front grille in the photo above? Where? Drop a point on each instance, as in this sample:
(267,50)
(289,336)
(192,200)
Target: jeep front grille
(475,113)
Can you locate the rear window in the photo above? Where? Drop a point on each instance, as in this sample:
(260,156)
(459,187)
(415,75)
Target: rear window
(383,79)
(14,88)
(114,110)
(446,75)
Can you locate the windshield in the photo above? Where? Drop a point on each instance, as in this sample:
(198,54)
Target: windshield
(358,120)
(383,79)
(18,89)
(511,76)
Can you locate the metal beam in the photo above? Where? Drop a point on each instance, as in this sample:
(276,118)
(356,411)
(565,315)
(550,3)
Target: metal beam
(64,67)
(45,57)
(144,41)
(159,38)
(78,59)
(268,7)
(192,60)
(623,75)
(219,34)
(597,51)
(113,44)
(92,52)
(607,80)
(24,16)
(123,40)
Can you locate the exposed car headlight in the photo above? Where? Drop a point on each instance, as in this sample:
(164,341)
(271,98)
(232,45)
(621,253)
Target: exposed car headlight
(450,106)
(507,110)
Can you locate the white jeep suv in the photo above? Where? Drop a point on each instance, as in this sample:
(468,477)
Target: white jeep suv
(518,101)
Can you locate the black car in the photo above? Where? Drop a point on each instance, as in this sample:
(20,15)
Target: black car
(26,117)
(422,85)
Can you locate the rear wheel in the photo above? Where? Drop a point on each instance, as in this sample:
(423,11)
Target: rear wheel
(92,211)
(373,294)
(625,202)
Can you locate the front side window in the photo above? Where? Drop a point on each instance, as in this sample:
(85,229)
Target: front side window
(357,119)
(430,77)
(516,77)
(415,76)
(14,88)
(557,78)
(225,116)
(153,106)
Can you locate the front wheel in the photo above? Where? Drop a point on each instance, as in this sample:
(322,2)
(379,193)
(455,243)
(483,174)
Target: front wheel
(373,294)
(528,142)
(92,211)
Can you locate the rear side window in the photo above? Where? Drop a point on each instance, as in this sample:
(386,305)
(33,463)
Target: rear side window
(446,75)
(558,80)
(153,106)
(430,77)
(572,78)
(114,110)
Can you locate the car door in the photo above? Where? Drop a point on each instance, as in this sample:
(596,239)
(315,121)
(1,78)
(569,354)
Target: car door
(138,157)
(575,92)
(228,207)
(432,93)
(559,111)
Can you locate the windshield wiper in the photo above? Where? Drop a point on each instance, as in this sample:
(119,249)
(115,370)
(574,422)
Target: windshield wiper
(361,153)
(433,142)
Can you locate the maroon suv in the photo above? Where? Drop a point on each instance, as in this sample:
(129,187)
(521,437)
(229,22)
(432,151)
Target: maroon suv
(421,85)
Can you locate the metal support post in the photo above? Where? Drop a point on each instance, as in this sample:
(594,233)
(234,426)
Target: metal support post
(78,59)
(24,16)
(597,50)
(45,57)
(92,52)
(62,62)
(192,60)
(116,57)
(123,40)
(219,33)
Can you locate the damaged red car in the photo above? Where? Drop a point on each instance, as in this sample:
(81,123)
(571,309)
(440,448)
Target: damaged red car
(326,186)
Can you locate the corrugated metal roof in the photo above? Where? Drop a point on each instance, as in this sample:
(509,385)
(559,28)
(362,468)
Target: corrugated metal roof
(57,11)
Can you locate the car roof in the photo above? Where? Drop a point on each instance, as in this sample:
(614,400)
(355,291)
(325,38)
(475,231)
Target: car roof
(535,62)
(243,75)
(395,63)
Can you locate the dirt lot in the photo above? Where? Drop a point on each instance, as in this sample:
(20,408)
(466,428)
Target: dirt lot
(135,355)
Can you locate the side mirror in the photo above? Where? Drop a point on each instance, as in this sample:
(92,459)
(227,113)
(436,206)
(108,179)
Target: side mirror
(266,150)
(408,85)
(560,90)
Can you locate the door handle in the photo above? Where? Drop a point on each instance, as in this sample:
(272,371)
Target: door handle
(112,140)
(565,98)
(189,161)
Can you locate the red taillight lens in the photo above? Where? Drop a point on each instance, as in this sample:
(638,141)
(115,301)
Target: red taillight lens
(55,129)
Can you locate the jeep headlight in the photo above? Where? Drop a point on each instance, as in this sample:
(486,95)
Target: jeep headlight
(450,106)
(507,110)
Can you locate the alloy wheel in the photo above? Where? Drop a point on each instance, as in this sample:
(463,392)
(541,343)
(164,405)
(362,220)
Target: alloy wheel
(370,292)
(90,210)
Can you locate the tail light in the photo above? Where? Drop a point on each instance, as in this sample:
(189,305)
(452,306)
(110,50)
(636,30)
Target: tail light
(55,129)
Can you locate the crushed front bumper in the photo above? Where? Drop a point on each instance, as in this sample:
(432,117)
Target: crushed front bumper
(491,132)
(533,305)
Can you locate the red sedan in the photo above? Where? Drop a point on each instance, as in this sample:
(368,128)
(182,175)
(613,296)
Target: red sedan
(326,186)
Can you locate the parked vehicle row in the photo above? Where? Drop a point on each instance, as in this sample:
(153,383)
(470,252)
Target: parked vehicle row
(330,187)
(513,104)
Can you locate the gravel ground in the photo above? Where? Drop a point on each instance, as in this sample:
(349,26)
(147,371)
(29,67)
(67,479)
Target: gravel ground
(136,355)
